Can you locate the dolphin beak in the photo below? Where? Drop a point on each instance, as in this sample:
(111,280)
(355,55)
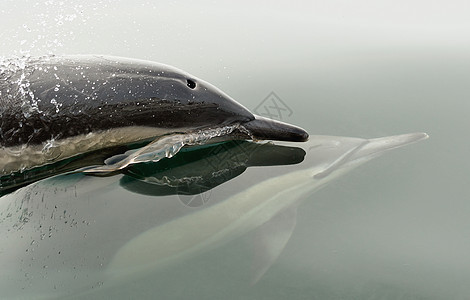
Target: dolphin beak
(267,129)
(377,146)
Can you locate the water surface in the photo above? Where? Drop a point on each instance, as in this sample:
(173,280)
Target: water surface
(396,228)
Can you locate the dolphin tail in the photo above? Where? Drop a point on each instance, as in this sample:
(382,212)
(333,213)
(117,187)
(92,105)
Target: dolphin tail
(267,129)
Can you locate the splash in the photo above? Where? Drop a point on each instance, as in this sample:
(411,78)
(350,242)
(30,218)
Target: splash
(51,25)
(163,147)
(15,73)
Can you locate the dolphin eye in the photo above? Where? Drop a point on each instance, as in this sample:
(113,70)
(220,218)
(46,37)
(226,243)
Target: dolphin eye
(191,84)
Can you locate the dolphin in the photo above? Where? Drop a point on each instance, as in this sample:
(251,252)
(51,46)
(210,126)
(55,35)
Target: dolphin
(56,107)
(269,204)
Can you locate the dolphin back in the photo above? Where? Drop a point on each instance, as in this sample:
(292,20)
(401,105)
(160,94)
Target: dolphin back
(58,97)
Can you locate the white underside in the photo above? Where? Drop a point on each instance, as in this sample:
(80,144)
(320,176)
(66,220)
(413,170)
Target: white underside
(28,156)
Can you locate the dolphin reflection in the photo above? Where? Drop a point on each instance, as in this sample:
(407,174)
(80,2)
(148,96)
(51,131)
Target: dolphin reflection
(198,170)
(67,234)
(255,207)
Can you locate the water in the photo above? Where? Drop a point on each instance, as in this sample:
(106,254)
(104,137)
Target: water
(396,228)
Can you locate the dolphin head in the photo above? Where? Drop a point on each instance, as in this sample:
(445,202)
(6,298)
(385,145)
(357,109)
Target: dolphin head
(221,109)
(190,90)
(195,103)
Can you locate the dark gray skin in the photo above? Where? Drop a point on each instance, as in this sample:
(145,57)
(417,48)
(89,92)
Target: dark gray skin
(74,95)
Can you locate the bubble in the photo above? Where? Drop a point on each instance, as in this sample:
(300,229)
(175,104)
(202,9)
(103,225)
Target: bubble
(26,28)
(56,104)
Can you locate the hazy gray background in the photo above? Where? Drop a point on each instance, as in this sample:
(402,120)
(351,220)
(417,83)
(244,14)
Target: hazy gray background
(397,228)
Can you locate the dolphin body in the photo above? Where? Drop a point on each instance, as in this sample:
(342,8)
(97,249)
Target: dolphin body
(269,207)
(56,107)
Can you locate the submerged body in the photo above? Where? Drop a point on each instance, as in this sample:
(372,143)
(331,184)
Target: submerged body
(269,207)
(53,108)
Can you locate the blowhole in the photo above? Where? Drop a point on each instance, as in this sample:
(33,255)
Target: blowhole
(191,84)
